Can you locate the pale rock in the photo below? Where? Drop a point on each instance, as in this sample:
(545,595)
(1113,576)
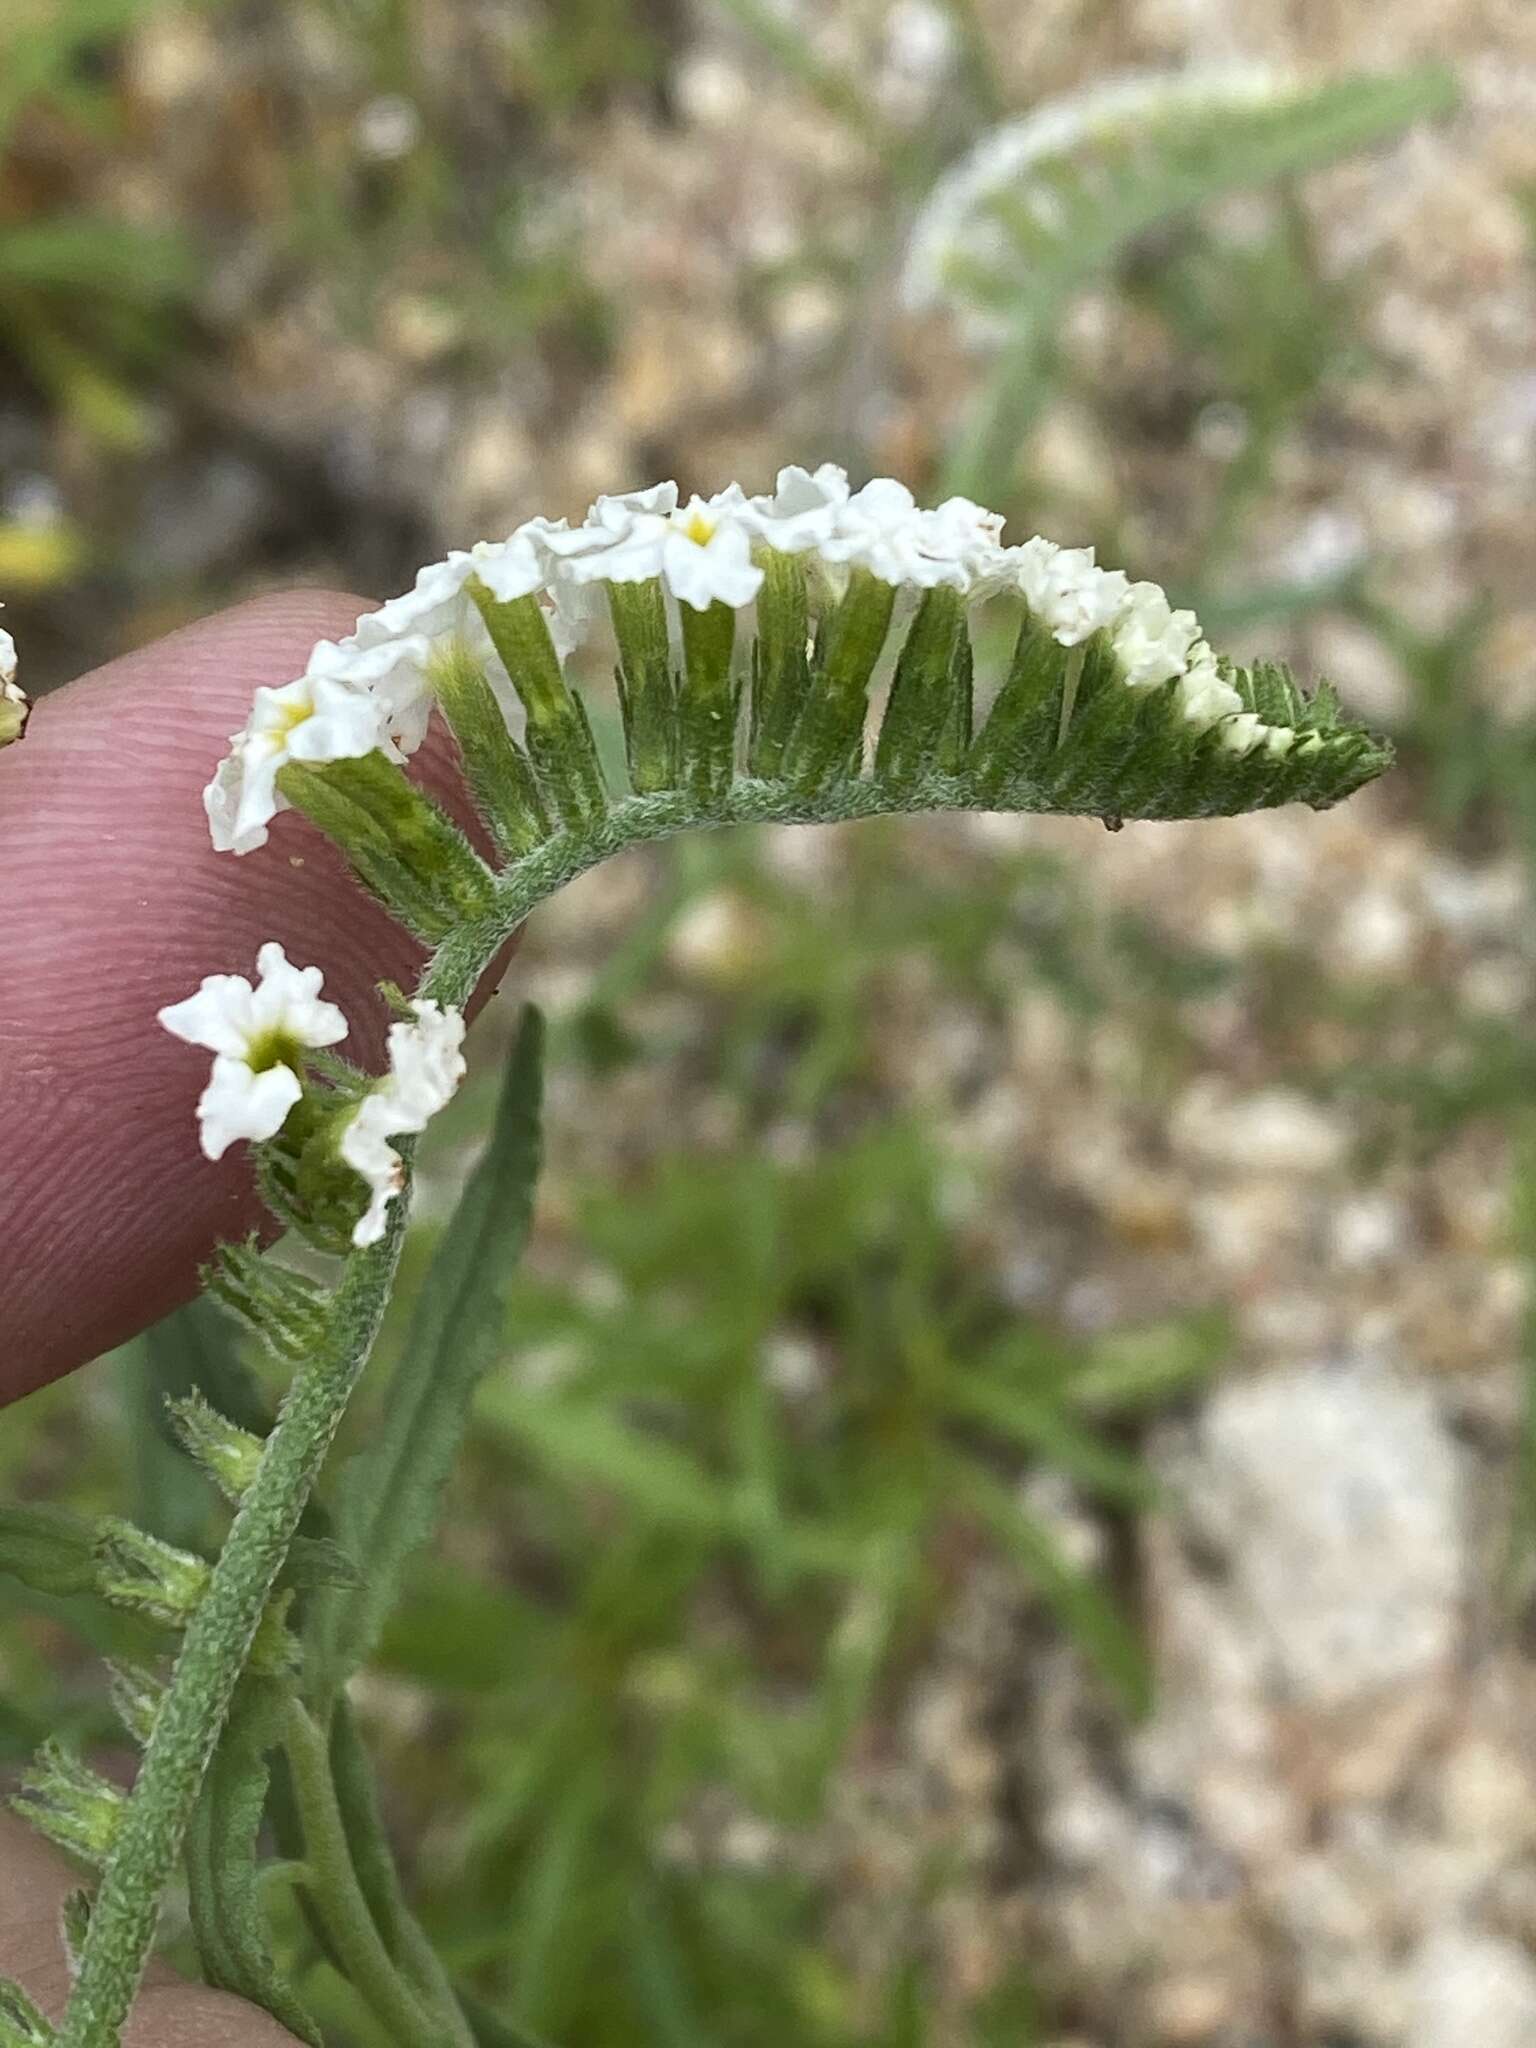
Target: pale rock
(1472,1988)
(1337,1496)
(1273,1131)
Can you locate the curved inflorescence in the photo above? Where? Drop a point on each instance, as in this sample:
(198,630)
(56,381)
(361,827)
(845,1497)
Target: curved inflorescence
(1115,704)
(373,690)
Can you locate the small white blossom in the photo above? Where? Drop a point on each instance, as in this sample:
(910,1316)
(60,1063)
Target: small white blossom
(1279,740)
(701,551)
(1067,592)
(318,718)
(1240,735)
(257,1036)
(426,1065)
(1152,641)
(7,658)
(1203,696)
(803,510)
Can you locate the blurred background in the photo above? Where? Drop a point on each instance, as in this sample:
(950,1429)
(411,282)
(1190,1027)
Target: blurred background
(1006,1517)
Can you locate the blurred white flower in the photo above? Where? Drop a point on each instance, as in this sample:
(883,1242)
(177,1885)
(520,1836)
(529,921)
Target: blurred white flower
(1203,696)
(1151,640)
(426,1065)
(962,230)
(257,1035)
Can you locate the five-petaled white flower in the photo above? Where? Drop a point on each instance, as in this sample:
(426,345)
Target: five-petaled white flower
(257,1036)
(426,1065)
(321,717)
(701,551)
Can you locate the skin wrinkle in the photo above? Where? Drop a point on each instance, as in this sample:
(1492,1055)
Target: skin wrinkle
(115,904)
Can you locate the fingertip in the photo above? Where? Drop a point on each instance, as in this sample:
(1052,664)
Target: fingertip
(117,906)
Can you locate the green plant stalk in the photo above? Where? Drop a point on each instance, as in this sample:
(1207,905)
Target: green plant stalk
(333,1886)
(219,1635)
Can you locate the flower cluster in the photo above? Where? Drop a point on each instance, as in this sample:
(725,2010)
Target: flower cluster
(373,691)
(259,1035)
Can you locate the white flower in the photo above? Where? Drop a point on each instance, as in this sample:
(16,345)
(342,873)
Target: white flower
(257,1036)
(967,534)
(318,718)
(1240,735)
(1203,697)
(803,510)
(7,659)
(701,551)
(426,1065)
(1070,596)
(880,528)
(1152,641)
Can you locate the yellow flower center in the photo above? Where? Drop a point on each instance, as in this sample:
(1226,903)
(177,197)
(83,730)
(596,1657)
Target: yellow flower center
(698,526)
(290,715)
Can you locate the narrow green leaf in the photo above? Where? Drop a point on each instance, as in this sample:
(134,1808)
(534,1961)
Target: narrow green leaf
(49,1549)
(1087,1613)
(586,1441)
(195,1352)
(1037,1424)
(223,1875)
(391,1493)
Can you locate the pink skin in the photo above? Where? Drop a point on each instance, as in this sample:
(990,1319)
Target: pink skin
(112,903)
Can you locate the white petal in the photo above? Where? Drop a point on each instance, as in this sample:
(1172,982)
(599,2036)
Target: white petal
(217,1017)
(426,1065)
(239,1104)
(721,570)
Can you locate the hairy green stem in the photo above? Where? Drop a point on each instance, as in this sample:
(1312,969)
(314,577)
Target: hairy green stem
(331,1877)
